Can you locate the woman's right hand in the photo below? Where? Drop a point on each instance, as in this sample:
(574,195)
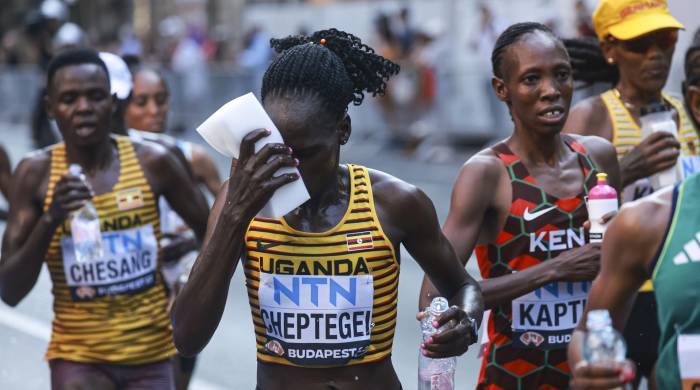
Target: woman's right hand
(657,152)
(252,181)
(70,194)
(590,376)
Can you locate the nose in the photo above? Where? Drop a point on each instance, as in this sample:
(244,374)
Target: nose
(83,104)
(152,107)
(550,89)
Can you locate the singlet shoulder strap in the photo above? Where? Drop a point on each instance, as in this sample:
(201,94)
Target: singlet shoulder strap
(654,266)
(587,165)
(690,142)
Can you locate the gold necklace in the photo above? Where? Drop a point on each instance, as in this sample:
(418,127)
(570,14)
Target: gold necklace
(627,105)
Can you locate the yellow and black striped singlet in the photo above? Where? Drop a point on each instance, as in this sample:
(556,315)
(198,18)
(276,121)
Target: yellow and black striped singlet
(324,299)
(113,309)
(627,134)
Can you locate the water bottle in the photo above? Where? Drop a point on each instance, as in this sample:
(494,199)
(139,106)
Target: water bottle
(435,374)
(602,199)
(85,227)
(602,344)
(659,117)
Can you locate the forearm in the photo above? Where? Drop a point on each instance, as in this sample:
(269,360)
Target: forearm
(503,289)
(574,353)
(199,307)
(20,270)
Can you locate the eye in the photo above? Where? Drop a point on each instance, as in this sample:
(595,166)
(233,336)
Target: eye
(563,74)
(96,95)
(68,98)
(531,79)
(161,99)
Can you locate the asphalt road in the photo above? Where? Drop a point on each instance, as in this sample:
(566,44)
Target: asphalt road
(228,362)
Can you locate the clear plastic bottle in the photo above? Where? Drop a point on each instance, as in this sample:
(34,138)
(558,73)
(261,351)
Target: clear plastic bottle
(602,344)
(659,117)
(85,227)
(435,374)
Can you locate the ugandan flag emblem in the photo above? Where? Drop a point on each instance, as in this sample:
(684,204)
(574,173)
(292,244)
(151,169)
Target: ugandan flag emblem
(129,199)
(359,241)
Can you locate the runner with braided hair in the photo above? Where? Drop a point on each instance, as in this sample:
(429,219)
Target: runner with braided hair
(323,280)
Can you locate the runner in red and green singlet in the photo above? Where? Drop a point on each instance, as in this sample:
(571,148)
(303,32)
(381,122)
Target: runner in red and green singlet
(520,204)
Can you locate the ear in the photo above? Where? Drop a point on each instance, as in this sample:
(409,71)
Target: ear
(344,129)
(692,96)
(499,87)
(608,49)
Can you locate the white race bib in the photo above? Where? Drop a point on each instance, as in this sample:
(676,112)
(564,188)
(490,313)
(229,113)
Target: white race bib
(317,320)
(545,318)
(128,266)
(688,358)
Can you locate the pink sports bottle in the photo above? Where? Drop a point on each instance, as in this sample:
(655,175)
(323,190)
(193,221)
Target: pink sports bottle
(602,199)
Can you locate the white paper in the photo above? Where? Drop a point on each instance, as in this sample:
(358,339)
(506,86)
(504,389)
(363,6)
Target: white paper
(225,129)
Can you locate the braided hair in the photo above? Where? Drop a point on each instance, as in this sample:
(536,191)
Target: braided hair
(333,65)
(510,36)
(589,63)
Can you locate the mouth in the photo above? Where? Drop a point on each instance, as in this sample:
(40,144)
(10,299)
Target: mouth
(552,115)
(85,129)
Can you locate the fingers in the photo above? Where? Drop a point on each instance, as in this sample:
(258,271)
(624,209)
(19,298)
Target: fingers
(248,143)
(595,376)
(278,181)
(277,162)
(270,150)
(661,140)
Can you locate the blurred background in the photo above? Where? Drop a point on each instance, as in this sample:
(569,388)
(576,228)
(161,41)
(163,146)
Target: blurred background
(437,112)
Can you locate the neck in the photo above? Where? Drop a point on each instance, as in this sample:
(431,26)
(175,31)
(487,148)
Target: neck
(635,96)
(91,157)
(329,192)
(536,148)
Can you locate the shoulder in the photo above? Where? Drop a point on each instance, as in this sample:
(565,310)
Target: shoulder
(643,221)
(485,163)
(588,117)
(155,158)
(386,187)
(598,147)
(34,166)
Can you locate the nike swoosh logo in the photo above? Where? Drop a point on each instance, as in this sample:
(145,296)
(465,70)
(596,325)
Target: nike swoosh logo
(528,216)
(262,247)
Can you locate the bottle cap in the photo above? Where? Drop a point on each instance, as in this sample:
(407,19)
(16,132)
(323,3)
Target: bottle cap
(598,319)
(439,305)
(602,176)
(75,170)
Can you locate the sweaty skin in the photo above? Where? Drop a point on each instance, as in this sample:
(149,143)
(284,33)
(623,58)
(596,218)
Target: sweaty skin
(642,78)
(79,100)
(315,139)
(537,77)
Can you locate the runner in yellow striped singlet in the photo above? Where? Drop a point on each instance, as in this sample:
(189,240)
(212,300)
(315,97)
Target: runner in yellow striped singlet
(323,279)
(111,327)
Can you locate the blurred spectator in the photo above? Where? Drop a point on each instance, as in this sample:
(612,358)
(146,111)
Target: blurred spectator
(489,28)
(10,48)
(584,23)
(404,31)
(255,56)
